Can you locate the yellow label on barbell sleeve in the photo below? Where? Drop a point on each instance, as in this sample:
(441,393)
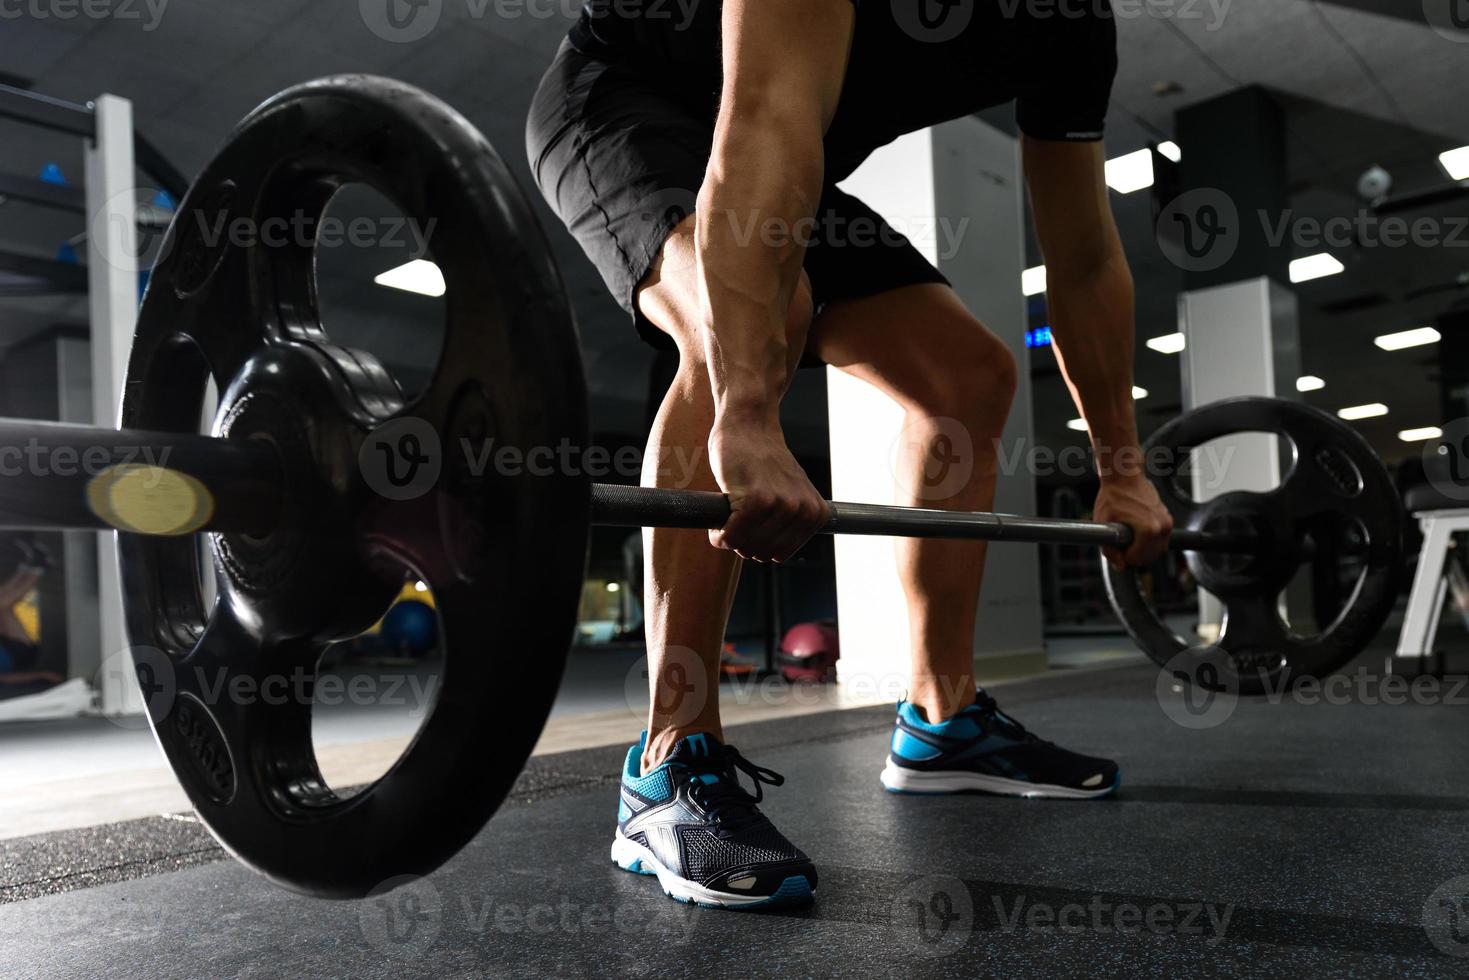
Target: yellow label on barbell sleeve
(146,499)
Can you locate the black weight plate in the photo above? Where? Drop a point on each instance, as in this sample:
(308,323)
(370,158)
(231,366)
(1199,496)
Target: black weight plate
(1334,481)
(504,557)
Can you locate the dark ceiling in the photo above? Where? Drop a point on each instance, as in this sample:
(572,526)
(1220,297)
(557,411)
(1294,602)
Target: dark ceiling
(1362,82)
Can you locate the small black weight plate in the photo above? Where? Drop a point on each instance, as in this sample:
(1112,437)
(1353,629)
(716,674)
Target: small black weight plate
(1335,486)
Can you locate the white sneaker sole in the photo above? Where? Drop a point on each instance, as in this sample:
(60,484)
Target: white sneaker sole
(629,855)
(896,779)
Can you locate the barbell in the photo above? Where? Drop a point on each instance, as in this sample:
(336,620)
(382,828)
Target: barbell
(319,491)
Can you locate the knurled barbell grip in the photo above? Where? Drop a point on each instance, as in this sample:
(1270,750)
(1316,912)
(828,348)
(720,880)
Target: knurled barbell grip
(623,506)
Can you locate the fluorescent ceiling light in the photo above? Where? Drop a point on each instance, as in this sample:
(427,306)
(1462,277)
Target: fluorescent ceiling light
(1033,281)
(1416,337)
(419,276)
(1315,267)
(1139,393)
(1169,343)
(1418,435)
(1131,172)
(1370,411)
(1456,163)
(1171,150)
(1309,382)
(1077,425)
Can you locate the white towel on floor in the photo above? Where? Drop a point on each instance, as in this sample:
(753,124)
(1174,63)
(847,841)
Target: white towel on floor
(65,700)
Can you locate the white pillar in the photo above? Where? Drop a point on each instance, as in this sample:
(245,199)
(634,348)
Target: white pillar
(1239,339)
(113,264)
(955,190)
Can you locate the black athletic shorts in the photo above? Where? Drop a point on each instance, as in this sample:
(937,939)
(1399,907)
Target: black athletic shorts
(620,161)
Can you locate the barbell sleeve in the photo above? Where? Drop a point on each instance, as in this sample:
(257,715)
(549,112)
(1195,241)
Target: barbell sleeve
(623,506)
(56,476)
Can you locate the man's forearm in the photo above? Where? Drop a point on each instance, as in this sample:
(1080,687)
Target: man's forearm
(1092,325)
(760,191)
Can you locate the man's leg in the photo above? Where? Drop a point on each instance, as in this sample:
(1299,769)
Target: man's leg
(955,381)
(689,583)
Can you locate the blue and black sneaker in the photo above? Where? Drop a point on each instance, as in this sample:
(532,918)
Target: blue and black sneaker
(982,748)
(692,824)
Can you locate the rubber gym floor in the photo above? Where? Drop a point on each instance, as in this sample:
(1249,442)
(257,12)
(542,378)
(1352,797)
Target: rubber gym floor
(1290,839)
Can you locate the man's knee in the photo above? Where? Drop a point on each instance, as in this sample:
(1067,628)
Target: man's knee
(973,374)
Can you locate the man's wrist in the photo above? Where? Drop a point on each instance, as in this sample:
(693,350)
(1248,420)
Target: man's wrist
(751,413)
(1120,462)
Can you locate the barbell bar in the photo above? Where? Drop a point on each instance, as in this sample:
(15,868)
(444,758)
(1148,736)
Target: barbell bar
(623,506)
(70,477)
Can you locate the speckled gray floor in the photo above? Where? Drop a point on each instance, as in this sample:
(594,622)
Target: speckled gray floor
(1288,840)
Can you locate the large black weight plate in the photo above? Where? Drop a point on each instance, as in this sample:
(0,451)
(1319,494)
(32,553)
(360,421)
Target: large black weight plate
(1335,486)
(504,558)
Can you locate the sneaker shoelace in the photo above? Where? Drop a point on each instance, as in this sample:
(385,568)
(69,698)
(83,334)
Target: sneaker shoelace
(725,800)
(991,716)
